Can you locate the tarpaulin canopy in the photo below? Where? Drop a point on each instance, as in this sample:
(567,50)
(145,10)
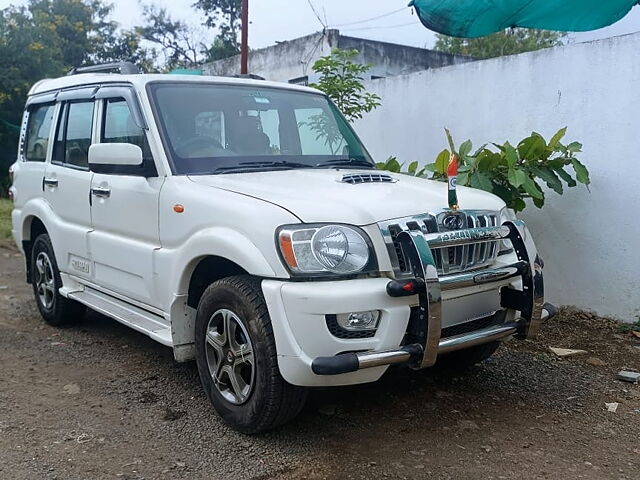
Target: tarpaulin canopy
(476,18)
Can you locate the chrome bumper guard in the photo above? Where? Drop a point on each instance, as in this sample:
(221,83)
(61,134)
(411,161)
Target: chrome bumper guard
(428,287)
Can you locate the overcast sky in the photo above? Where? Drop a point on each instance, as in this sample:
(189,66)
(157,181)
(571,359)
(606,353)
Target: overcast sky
(276,20)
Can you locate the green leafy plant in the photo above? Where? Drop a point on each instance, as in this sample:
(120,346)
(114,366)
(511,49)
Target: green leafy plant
(341,79)
(514,173)
(392,165)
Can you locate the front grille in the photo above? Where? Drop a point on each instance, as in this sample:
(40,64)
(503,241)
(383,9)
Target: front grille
(448,260)
(356,178)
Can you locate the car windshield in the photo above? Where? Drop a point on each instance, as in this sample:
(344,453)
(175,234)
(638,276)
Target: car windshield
(212,129)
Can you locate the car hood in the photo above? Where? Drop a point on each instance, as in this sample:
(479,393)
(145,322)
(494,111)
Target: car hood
(320,195)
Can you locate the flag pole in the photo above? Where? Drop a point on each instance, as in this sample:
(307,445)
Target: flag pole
(244,45)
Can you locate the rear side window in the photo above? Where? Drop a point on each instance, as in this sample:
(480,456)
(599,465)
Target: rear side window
(74,135)
(38,131)
(120,127)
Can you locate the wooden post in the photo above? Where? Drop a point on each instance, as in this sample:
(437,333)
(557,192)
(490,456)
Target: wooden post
(244,46)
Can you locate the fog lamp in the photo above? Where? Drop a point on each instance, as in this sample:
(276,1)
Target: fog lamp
(356,321)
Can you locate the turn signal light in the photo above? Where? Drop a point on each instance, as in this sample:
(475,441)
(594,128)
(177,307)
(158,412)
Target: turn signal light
(286,247)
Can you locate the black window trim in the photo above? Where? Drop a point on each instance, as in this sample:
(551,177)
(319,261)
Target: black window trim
(64,117)
(148,168)
(25,140)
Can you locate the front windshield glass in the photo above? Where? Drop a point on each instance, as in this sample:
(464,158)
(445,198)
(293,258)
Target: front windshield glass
(213,129)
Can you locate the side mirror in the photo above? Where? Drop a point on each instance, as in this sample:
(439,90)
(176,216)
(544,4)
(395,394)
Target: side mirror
(119,159)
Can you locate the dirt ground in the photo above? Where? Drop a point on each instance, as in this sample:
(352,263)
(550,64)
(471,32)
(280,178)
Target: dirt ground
(98,400)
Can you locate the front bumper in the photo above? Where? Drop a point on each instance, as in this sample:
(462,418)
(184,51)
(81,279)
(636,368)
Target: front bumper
(309,355)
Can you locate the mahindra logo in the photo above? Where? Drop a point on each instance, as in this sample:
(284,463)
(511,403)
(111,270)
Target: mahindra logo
(453,222)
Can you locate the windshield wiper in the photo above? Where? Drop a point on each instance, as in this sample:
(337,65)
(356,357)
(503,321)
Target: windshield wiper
(341,162)
(255,166)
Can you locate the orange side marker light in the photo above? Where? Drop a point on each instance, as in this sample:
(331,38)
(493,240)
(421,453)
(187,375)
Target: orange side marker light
(286,247)
(178,208)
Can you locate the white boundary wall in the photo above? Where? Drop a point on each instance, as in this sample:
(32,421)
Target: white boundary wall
(590,241)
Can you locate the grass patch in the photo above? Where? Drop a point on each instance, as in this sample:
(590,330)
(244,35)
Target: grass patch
(5,217)
(629,327)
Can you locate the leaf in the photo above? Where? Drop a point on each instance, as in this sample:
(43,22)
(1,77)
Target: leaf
(442,162)
(557,137)
(391,165)
(465,148)
(463,179)
(574,147)
(511,154)
(412,168)
(488,160)
(549,177)
(538,202)
(481,181)
(564,175)
(532,148)
(582,174)
(518,204)
(450,140)
(532,188)
(516,177)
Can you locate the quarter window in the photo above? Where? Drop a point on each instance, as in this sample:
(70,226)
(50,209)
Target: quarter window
(38,131)
(120,127)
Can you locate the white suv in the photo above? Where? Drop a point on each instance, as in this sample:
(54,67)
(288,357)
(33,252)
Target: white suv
(243,224)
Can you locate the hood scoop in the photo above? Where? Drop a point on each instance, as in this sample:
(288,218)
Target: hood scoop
(357,178)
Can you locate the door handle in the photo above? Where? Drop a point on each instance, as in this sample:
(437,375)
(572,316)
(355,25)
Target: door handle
(50,182)
(101,192)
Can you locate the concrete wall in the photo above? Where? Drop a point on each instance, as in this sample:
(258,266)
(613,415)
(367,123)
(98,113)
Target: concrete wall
(590,240)
(281,62)
(293,59)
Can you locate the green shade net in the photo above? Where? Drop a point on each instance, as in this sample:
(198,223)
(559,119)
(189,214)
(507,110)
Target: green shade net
(476,18)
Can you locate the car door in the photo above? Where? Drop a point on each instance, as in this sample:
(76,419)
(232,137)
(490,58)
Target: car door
(66,185)
(124,208)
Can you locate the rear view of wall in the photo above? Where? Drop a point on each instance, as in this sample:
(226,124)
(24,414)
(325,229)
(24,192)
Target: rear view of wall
(589,240)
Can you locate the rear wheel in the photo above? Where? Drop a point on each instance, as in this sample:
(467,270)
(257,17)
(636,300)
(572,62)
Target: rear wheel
(55,309)
(237,359)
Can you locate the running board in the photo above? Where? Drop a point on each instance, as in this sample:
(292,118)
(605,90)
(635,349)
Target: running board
(145,322)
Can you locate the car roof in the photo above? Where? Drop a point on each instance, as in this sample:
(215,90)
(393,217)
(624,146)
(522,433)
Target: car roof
(140,81)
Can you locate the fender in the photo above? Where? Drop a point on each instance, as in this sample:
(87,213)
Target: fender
(216,241)
(178,265)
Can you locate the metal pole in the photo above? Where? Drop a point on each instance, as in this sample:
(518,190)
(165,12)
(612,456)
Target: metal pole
(244,46)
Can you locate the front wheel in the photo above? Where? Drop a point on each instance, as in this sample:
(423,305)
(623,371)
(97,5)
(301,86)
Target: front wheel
(237,358)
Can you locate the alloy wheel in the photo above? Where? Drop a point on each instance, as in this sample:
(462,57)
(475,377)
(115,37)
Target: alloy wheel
(230,356)
(45,281)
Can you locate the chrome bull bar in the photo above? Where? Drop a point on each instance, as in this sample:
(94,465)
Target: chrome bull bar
(428,287)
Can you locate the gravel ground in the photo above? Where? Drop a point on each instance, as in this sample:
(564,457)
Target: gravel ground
(101,401)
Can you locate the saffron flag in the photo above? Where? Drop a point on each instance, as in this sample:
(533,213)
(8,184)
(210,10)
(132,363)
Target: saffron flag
(477,18)
(452,175)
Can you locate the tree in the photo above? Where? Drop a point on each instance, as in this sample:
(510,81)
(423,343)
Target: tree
(507,42)
(178,42)
(341,79)
(46,38)
(225,16)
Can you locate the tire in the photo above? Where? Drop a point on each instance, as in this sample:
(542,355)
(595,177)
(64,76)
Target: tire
(55,309)
(239,372)
(465,359)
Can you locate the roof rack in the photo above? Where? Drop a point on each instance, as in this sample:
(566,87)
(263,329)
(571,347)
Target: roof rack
(248,76)
(125,68)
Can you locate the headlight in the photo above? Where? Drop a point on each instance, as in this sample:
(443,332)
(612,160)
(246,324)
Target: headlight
(325,249)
